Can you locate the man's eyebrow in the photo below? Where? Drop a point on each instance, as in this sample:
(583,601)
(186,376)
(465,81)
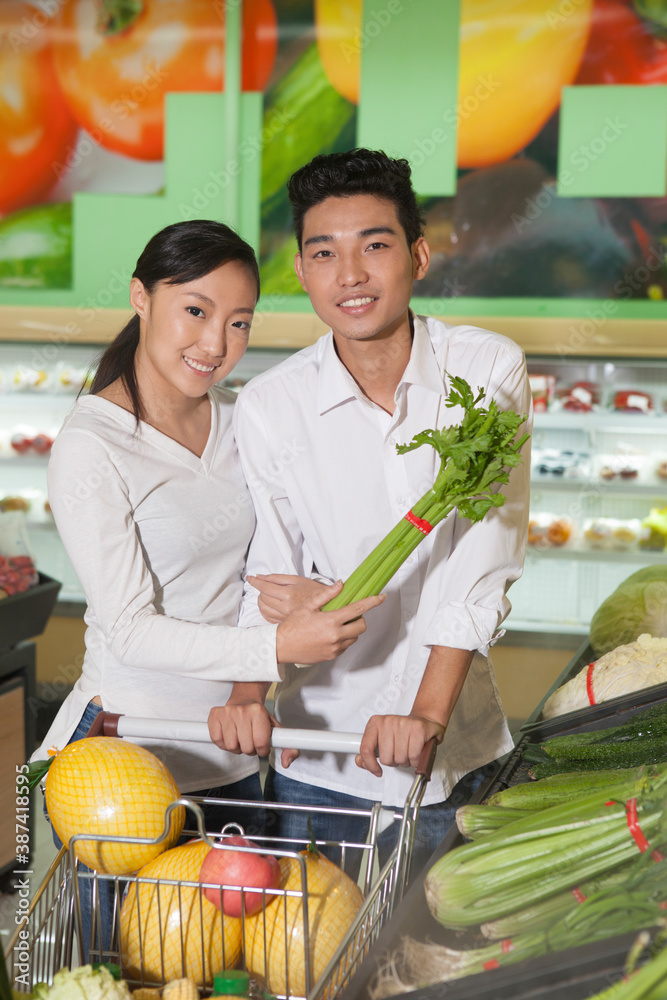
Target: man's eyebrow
(362,235)
(376,231)
(318,239)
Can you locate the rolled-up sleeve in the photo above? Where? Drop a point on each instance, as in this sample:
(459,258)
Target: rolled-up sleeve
(484,559)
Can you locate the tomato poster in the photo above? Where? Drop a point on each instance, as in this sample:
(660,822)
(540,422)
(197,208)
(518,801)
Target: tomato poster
(82,109)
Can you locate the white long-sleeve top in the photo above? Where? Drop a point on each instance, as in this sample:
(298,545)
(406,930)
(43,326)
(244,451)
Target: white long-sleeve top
(327,485)
(158,539)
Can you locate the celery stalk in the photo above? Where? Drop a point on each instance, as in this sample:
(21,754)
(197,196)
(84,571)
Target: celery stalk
(475,456)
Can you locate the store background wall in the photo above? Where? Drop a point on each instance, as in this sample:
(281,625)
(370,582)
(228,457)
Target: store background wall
(539,155)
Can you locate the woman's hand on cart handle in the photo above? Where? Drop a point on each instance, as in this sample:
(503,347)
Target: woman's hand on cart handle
(309,635)
(396,741)
(244,725)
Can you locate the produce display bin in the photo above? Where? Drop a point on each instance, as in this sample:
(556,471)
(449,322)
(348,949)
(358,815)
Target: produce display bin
(603,710)
(572,973)
(25,615)
(54,921)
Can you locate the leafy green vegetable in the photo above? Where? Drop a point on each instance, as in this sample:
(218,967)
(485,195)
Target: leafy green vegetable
(475,456)
(84,983)
(638,605)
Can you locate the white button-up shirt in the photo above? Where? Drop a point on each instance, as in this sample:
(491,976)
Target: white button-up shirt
(327,484)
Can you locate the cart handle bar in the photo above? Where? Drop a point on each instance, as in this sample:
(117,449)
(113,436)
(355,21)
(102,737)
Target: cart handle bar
(111,724)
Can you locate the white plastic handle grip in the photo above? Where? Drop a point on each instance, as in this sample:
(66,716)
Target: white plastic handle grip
(197,732)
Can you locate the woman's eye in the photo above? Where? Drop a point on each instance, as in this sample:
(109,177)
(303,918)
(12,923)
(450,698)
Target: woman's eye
(195,311)
(242,325)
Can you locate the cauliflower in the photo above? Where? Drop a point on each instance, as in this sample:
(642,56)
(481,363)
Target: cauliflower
(636,665)
(84,983)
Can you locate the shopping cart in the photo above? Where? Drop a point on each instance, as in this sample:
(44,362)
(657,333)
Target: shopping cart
(292,962)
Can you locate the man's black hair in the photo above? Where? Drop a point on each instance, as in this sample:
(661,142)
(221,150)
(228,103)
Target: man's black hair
(358,171)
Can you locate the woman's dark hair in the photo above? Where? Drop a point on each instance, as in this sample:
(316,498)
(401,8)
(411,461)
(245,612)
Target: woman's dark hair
(359,171)
(177,254)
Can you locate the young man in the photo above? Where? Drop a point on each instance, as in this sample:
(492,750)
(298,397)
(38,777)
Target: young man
(317,438)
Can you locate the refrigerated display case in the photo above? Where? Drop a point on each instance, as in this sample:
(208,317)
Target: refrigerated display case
(597,471)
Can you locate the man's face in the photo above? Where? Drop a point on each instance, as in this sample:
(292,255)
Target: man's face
(357,267)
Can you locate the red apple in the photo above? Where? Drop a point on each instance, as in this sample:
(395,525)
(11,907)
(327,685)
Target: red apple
(227,867)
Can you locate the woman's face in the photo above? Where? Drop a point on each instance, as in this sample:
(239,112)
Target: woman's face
(192,335)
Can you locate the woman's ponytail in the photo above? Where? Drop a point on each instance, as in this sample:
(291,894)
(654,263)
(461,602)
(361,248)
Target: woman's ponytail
(117,362)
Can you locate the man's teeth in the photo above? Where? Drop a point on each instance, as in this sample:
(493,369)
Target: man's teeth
(351,303)
(199,367)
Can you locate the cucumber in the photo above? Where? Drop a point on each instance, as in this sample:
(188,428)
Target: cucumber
(310,113)
(36,247)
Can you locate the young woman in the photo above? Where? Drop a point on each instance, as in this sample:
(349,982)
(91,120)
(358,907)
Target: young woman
(150,502)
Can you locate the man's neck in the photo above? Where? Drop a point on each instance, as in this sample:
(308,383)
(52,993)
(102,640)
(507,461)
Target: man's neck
(377,365)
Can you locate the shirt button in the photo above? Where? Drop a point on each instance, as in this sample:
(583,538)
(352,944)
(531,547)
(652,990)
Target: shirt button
(400,501)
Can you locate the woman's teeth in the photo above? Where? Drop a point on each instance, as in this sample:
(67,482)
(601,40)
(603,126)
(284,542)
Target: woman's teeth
(351,303)
(199,367)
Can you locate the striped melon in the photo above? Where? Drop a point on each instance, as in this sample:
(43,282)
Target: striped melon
(275,946)
(104,785)
(172,931)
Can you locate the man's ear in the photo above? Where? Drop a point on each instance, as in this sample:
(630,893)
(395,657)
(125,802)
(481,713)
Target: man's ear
(298,267)
(139,298)
(421,258)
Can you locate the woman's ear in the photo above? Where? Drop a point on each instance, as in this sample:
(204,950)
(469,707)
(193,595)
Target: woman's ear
(139,298)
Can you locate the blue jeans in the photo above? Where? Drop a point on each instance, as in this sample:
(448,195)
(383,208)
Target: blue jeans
(98,940)
(432,824)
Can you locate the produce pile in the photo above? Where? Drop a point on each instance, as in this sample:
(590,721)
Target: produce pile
(551,865)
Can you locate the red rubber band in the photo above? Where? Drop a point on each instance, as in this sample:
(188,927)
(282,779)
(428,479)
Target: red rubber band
(589,683)
(634,827)
(657,856)
(423,526)
(506,945)
(578,894)
(491,964)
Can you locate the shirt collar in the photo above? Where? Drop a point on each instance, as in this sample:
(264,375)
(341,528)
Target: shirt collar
(335,385)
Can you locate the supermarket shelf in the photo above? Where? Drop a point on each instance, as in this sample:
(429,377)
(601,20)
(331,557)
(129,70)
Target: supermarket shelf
(620,487)
(539,628)
(608,421)
(647,556)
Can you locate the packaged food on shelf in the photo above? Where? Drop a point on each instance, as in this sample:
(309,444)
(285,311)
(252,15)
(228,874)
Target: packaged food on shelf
(30,501)
(565,463)
(633,401)
(611,533)
(26,439)
(626,467)
(550,530)
(661,469)
(542,388)
(580,397)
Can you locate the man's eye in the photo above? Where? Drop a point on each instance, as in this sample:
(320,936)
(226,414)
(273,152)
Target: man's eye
(195,311)
(323,253)
(376,246)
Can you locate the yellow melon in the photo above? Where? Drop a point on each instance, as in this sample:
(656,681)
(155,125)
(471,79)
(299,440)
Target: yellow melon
(274,941)
(172,931)
(104,785)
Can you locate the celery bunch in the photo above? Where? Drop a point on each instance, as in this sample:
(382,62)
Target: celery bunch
(475,456)
(542,854)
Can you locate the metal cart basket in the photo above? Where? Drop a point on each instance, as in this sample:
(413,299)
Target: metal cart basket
(160,928)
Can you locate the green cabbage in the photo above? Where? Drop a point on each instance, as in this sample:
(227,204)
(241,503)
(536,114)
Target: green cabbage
(638,605)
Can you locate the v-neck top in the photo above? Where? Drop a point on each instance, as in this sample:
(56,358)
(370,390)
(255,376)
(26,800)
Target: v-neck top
(158,538)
